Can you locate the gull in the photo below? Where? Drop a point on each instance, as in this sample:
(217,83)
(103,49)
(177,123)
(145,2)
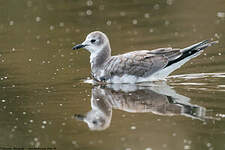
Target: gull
(136,66)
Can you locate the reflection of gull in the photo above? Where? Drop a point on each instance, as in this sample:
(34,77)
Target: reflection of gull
(158,99)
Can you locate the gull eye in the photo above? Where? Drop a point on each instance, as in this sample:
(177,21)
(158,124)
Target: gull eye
(94,122)
(93,40)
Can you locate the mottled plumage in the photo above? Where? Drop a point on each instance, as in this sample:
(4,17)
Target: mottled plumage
(136,66)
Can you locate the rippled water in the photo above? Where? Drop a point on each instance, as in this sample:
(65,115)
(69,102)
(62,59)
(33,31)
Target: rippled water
(46,102)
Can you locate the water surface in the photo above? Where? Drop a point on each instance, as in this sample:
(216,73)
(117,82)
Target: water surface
(42,80)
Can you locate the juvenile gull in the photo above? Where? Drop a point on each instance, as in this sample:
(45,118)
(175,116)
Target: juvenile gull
(136,66)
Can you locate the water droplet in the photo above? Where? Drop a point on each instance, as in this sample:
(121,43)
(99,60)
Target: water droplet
(169,2)
(89,12)
(89,3)
(221,14)
(156,6)
(187,147)
(53,142)
(151,30)
(134,21)
(38,19)
(122,13)
(132,127)
(109,22)
(11,23)
(61,24)
(51,27)
(74,142)
(146,15)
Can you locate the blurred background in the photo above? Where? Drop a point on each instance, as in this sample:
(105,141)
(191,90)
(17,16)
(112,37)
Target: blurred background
(41,78)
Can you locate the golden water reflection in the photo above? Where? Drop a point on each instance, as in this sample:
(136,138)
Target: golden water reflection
(158,98)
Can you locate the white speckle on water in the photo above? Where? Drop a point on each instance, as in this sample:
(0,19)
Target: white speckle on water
(60,105)
(133,127)
(11,23)
(208,144)
(74,142)
(35,139)
(53,142)
(29,130)
(89,12)
(38,19)
(89,3)
(148,148)
(221,115)
(63,124)
(128,148)
(169,2)
(38,37)
(51,27)
(48,42)
(221,14)
(151,30)
(219,54)
(187,147)
(122,13)
(44,122)
(13,49)
(156,6)
(167,22)
(3,100)
(146,15)
(43,126)
(134,21)
(31,121)
(29,59)
(109,22)
(24,113)
(61,24)
(217,35)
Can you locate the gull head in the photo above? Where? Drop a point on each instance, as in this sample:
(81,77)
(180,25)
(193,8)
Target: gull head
(94,42)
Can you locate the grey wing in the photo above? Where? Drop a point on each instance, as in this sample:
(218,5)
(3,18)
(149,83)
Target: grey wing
(140,63)
(169,52)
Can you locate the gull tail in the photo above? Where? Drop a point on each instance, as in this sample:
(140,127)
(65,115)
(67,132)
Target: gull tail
(186,54)
(192,51)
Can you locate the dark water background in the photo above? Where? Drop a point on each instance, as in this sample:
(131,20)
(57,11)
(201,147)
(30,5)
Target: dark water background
(42,79)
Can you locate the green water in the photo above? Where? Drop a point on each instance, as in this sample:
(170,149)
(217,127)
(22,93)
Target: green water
(42,80)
